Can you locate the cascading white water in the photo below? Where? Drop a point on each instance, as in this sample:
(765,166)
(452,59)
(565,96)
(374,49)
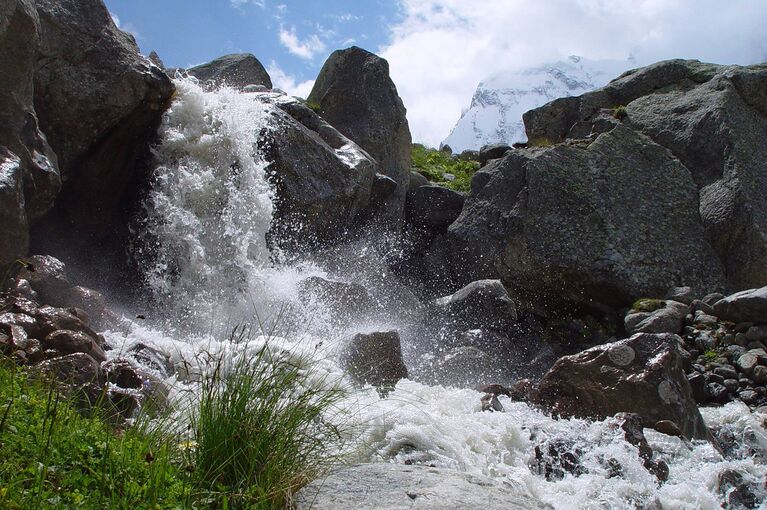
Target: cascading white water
(208,263)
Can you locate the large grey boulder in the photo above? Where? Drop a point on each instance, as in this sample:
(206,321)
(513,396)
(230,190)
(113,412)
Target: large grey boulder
(99,102)
(238,70)
(357,97)
(643,374)
(29,181)
(396,486)
(745,306)
(322,180)
(492,151)
(480,304)
(600,223)
(712,118)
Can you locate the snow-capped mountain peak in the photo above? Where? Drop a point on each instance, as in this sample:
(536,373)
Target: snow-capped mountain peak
(495,114)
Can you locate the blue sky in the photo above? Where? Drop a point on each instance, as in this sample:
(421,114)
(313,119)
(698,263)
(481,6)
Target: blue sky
(295,35)
(439,50)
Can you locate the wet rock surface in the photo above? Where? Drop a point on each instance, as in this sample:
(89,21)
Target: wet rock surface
(29,173)
(61,342)
(322,179)
(643,374)
(393,486)
(375,359)
(237,70)
(99,102)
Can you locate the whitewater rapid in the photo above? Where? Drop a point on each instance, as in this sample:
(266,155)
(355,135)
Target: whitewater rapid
(206,260)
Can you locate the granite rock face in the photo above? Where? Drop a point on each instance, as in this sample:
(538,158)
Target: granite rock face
(29,179)
(322,179)
(713,119)
(599,223)
(651,182)
(745,306)
(99,102)
(356,96)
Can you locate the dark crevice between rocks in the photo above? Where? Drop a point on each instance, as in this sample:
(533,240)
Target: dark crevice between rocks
(87,227)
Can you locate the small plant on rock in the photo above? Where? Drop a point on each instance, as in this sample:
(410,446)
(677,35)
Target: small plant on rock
(620,112)
(443,168)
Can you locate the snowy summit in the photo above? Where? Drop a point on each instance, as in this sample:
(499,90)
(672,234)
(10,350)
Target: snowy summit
(495,114)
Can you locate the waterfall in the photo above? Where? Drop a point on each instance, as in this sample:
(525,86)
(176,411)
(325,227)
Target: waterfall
(203,249)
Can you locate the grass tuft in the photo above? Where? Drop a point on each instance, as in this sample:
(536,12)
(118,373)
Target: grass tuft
(260,432)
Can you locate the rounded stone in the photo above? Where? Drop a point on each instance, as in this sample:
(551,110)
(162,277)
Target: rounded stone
(759,375)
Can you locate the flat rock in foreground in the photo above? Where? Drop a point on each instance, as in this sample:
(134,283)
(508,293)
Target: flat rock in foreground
(396,486)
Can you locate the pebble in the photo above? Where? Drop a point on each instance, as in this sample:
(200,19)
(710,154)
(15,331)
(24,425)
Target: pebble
(742,327)
(727,339)
(715,378)
(705,341)
(727,372)
(759,374)
(705,319)
(718,393)
(746,362)
(761,354)
(750,397)
(731,385)
(741,339)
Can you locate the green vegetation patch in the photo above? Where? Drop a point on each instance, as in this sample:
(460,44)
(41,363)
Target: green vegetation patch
(53,457)
(257,434)
(434,164)
(710,355)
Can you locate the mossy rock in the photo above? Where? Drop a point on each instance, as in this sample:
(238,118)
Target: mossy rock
(648,305)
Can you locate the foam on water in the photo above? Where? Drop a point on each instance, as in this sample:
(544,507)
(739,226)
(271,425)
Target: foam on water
(209,267)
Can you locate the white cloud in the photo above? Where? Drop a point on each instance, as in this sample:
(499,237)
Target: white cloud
(287,82)
(343,18)
(305,49)
(238,4)
(115,19)
(441,49)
